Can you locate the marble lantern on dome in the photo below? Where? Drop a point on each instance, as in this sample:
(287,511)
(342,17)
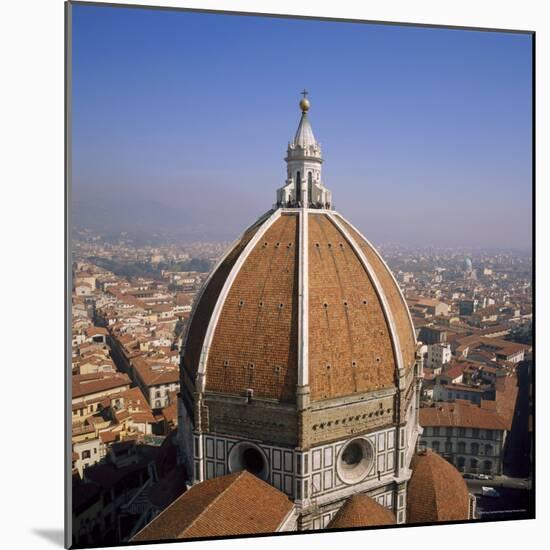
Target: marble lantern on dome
(303,186)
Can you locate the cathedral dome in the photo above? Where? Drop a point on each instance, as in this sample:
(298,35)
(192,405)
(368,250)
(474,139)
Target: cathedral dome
(300,362)
(437,491)
(300,299)
(361,511)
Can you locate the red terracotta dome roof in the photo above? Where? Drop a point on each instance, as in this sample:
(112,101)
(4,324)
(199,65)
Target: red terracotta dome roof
(300,299)
(214,508)
(361,511)
(436,490)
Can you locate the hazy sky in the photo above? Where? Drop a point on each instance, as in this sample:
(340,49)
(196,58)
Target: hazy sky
(181,120)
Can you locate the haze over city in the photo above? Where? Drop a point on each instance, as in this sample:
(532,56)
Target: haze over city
(426,133)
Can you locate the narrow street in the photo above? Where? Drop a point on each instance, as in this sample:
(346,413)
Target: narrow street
(514,498)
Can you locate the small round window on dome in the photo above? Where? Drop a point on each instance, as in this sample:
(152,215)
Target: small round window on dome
(277,245)
(281,305)
(365,302)
(345,303)
(247,456)
(355,461)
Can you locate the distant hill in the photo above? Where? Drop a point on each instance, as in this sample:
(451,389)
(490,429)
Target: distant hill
(134,216)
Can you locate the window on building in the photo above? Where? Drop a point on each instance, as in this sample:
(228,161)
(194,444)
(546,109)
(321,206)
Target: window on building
(473,464)
(298,489)
(436,430)
(461,447)
(448,447)
(85,455)
(461,432)
(487,466)
(460,463)
(435,446)
(474,448)
(489,450)
(475,432)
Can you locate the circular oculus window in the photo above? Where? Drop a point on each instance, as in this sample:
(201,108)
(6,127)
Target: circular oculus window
(247,456)
(355,461)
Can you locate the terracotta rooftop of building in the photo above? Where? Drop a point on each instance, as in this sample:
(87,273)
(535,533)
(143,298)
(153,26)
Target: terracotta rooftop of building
(234,504)
(461,414)
(89,384)
(436,491)
(454,371)
(95,331)
(361,511)
(155,373)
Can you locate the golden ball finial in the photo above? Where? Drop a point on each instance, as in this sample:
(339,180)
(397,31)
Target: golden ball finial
(304,102)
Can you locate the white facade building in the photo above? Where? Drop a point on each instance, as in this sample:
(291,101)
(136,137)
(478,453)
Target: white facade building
(438,355)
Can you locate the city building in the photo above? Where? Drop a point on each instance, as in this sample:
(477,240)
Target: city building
(438,355)
(472,434)
(157,380)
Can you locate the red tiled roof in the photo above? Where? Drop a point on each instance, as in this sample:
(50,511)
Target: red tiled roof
(89,384)
(94,331)
(461,414)
(436,491)
(361,511)
(155,373)
(235,504)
